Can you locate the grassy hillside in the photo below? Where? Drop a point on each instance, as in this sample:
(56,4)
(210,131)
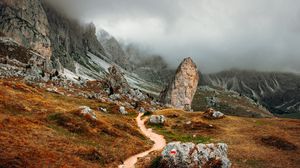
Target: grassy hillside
(253,143)
(39,128)
(228,102)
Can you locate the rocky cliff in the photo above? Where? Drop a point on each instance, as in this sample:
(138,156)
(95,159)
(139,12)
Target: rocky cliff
(180,92)
(26,22)
(36,25)
(70,40)
(113,49)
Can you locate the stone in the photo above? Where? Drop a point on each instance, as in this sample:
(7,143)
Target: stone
(123,110)
(52,89)
(157,119)
(103,109)
(115,97)
(137,95)
(190,155)
(87,111)
(180,92)
(210,113)
(217,114)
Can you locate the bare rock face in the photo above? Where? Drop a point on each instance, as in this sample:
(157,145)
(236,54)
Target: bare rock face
(116,81)
(26,22)
(182,89)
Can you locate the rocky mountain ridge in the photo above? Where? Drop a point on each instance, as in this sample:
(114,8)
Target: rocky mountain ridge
(279,92)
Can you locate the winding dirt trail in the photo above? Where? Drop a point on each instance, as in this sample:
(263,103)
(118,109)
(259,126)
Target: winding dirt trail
(159,143)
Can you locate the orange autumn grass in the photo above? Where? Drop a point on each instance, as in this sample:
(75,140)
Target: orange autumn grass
(39,128)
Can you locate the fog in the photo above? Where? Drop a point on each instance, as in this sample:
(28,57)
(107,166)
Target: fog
(217,34)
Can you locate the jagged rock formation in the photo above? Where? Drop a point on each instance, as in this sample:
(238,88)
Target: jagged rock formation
(116,81)
(26,22)
(71,41)
(188,155)
(113,49)
(182,89)
(279,92)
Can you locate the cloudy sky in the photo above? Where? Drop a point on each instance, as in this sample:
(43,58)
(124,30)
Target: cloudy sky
(217,34)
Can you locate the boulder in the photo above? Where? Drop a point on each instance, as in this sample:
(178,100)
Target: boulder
(116,81)
(180,92)
(87,112)
(157,119)
(123,110)
(190,155)
(210,113)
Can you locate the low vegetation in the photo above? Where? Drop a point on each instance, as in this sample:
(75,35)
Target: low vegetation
(39,128)
(264,142)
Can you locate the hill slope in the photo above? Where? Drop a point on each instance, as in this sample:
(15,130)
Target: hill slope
(279,92)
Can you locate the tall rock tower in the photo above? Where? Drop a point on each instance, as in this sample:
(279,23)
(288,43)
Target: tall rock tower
(180,92)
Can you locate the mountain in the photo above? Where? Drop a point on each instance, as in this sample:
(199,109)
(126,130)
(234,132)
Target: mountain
(113,49)
(278,92)
(69,47)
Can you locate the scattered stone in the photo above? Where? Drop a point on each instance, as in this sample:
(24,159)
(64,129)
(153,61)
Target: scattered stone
(180,92)
(115,97)
(137,95)
(188,155)
(103,109)
(52,90)
(123,110)
(157,119)
(210,113)
(87,111)
(217,114)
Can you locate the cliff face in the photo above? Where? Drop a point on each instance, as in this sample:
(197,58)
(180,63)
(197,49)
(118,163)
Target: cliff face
(35,25)
(70,40)
(26,22)
(113,49)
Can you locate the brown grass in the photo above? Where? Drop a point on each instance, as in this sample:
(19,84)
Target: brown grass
(39,128)
(252,142)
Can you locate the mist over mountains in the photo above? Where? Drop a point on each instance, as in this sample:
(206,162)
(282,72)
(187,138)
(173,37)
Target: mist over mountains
(261,34)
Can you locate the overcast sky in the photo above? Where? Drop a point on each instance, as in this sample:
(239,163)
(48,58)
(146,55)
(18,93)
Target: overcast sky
(217,34)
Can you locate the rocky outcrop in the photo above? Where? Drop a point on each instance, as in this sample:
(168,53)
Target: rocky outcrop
(190,155)
(26,22)
(116,81)
(210,113)
(182,89)
(113,49)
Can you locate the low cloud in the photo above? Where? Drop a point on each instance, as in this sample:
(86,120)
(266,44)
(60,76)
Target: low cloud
(217,34)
